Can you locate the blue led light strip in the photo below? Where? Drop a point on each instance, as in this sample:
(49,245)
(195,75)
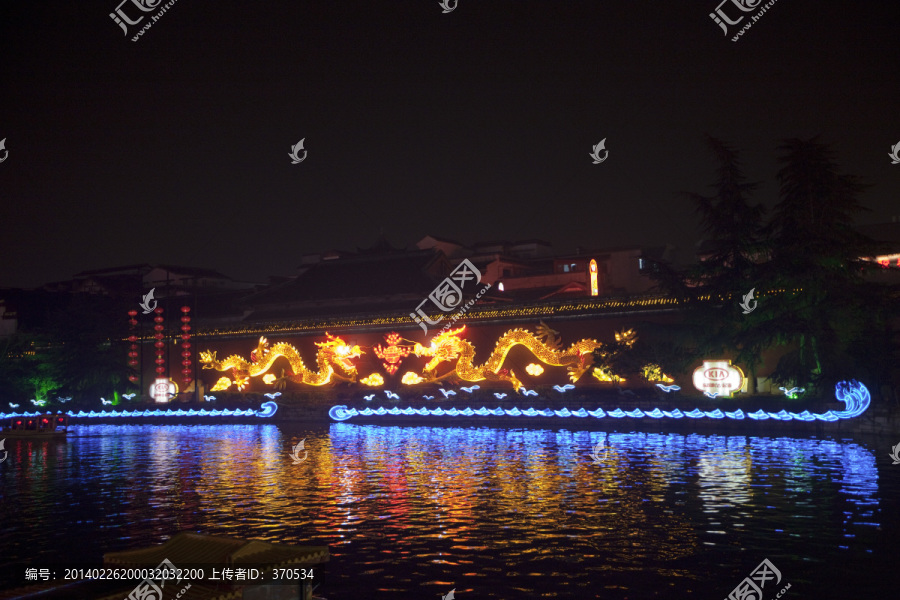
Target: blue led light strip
(266,409)
(853,394)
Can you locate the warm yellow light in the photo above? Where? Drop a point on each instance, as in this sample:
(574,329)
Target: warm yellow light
(534,369)
(221,385)
(449,346)
(241,382)
(410,378)
(605,376)
(654,374)
(627,337)
(594,288)
(268,379)
(373,380)
(333,359)
(392,354)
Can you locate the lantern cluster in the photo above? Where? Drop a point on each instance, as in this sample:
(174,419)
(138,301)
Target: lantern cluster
(160,344)
(186,345)
(133,349)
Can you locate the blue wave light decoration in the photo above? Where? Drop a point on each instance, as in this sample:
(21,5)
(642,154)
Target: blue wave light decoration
(852,393)
(266,410)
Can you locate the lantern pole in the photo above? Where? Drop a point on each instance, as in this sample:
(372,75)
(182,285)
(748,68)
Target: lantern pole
(196,365)
(141,334)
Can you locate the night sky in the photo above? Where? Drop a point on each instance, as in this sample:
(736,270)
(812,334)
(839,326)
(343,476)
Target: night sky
(473,125)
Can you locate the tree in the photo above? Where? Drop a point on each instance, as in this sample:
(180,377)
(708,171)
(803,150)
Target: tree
(82,350)
(711,288)
(15,366)
(817,258)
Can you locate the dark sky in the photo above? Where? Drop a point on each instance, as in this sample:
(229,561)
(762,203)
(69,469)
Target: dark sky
(473,125)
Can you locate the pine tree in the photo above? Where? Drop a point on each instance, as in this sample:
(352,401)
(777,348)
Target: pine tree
(818,259)
(712,288)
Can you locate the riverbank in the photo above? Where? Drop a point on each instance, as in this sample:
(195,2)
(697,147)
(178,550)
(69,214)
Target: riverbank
(641,410)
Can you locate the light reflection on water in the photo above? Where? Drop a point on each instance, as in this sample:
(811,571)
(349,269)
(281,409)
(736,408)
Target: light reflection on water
(495,513)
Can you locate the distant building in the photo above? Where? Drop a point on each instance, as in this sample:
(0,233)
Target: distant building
(8,321)
(134,280)
(529,269)
(887,236)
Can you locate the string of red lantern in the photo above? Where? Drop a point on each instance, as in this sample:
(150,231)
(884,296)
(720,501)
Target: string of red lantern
(160,344)
(133,350)
(186,345)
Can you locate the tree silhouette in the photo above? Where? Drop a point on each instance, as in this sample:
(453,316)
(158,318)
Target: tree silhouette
(711,289)
(82,349)
(818,259)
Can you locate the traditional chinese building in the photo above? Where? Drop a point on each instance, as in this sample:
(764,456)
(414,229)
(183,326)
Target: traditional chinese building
(384,318)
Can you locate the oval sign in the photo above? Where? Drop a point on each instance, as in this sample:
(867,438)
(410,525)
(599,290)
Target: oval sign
(716,374)
(718,377)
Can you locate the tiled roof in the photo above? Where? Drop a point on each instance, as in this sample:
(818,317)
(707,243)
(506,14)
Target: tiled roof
(882,232)
(372,277)
(146,268)
(444,240)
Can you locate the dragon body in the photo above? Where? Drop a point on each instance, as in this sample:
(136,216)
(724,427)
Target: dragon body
(449,346)
(333,359)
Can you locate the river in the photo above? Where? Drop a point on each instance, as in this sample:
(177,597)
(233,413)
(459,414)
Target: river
(494,513)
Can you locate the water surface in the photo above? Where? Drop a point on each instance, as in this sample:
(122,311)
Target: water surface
(498,513)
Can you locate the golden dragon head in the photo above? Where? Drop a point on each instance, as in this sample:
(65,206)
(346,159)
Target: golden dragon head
(445,346)
(207,359)
(339,354)
(261,350)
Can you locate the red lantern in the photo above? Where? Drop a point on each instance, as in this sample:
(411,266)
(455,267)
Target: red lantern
(132,352)
(160,344)
(185,344)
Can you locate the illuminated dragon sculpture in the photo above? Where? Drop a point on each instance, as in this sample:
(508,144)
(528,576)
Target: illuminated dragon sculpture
(333,359)
(448,346)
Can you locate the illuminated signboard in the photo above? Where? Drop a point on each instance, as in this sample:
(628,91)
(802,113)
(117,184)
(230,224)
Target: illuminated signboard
(163,389)
(718,377)
(594,289)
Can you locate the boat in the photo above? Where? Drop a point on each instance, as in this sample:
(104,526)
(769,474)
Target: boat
(41,427)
